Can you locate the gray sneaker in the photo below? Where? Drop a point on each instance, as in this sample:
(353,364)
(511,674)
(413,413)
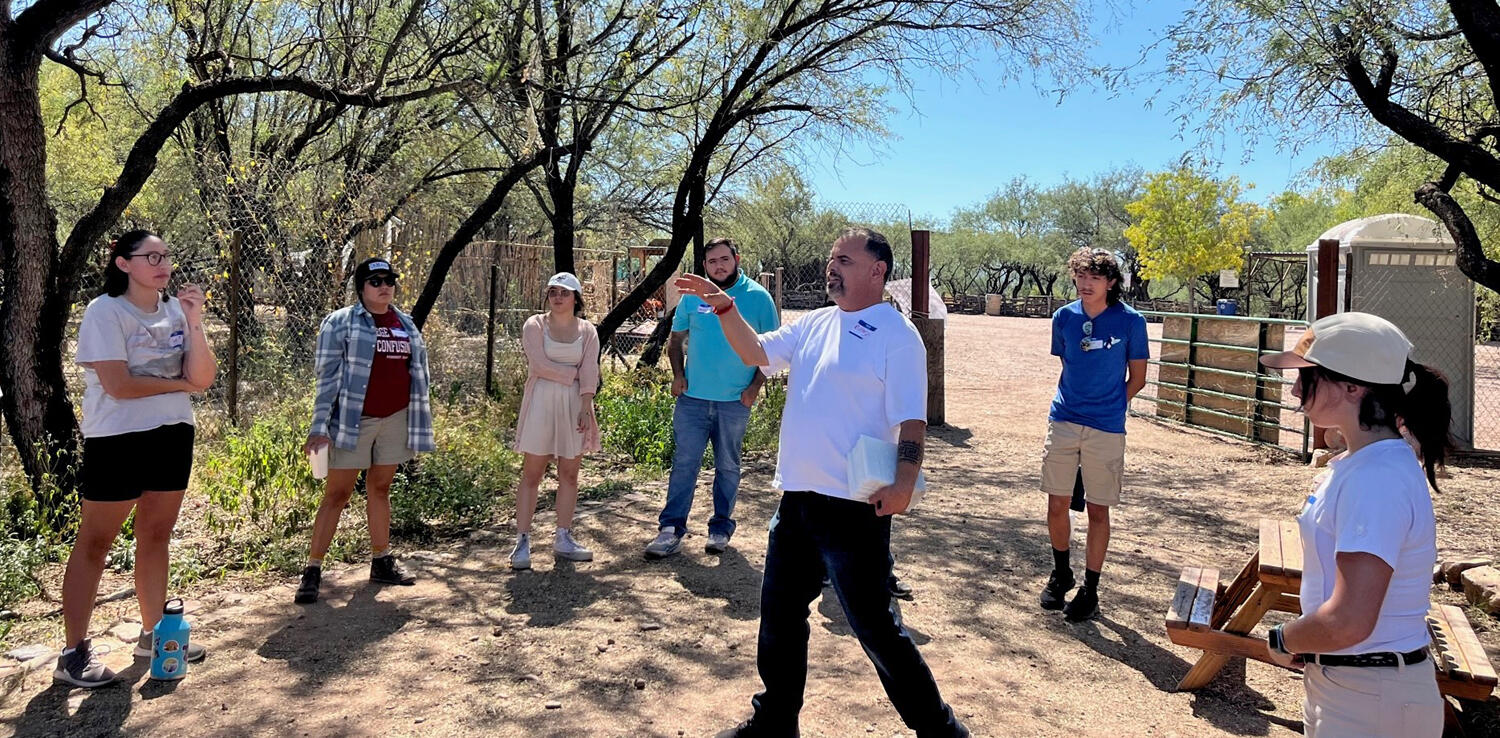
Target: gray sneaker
(82,667)
(145,648)
(717,543)
(520,556)
(564,547)
(667,543)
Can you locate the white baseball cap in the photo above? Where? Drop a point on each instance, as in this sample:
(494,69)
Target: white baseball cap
(1358,345)
(565,279)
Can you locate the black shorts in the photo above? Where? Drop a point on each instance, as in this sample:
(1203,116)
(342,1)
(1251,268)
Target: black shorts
(120,468)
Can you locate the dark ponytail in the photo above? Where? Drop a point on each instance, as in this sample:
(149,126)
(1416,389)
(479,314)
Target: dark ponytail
(1425,412)
(116,281)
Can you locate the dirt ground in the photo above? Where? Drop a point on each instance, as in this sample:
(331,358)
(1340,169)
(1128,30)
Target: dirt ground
(627,647)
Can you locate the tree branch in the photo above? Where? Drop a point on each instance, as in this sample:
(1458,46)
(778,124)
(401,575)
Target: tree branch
(1471,259)
(141,161)
(46,20)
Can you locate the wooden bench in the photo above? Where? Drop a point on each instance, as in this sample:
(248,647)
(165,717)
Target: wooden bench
(1218,618)
(1463,668)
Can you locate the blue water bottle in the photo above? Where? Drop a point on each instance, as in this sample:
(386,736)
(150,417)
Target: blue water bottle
(169,643)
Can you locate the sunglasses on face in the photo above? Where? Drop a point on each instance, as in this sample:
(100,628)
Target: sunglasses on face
(380,281)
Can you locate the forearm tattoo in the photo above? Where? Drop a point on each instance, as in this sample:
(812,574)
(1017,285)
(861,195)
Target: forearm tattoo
(909,452)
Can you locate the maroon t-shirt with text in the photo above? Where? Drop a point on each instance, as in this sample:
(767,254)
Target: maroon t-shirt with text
(389,391)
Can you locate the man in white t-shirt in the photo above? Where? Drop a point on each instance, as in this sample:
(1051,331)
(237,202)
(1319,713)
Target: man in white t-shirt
(857,369)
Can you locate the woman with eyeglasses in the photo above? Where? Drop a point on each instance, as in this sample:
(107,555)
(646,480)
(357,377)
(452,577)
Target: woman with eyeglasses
(142,354)
(372,412)
(557,413)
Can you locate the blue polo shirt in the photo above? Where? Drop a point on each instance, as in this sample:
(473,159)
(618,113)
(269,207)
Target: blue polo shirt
(1091,390)
(714,370)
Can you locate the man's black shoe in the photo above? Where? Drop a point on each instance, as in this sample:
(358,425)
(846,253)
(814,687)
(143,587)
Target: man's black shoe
(899,589)
(1056,591)
(748,729)
(385,570)
(307,591)
(1083,606)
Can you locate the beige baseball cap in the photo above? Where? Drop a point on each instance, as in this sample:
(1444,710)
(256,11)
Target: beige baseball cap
(1358,345)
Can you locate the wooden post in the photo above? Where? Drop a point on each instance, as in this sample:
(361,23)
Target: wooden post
(1328,297)
(921,246)
(931,330)
(233,378)
(489,351)
(1328,278)
(780,277)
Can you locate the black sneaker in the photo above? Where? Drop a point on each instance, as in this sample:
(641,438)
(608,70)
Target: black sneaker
(82,667)
(307,591)
(385,570)
(1056,591)
(1083,606)
(748,729)
(899,589)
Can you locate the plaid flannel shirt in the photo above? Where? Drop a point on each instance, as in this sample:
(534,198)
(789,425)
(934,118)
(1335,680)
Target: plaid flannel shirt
(346,352)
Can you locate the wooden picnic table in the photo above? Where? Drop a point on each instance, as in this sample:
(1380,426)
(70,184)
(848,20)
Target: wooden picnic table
(1219,618)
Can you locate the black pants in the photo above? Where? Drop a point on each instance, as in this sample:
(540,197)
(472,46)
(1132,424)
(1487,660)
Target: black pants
(810,534)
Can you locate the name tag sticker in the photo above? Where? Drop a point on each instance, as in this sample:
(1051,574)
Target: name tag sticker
(862,329)
(704,307)
(1092,344)
(398,333)
(175,340)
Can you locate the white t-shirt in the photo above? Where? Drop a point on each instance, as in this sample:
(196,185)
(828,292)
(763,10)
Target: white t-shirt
(1376,502)
(852,374)
(151,345)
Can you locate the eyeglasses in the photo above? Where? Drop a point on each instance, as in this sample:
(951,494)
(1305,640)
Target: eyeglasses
(1088,334)
(379,281)
(154,258)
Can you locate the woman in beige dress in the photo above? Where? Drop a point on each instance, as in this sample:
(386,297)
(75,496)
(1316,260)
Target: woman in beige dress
(557,413)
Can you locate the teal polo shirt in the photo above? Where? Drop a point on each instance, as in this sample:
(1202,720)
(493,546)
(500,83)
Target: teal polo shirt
(714,370)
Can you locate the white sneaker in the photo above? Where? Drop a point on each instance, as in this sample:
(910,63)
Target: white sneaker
(520,556)
(667,543)
(564,547)
(717,543)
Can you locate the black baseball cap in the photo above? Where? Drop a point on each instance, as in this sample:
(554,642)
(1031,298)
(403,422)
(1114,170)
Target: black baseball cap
(371,266)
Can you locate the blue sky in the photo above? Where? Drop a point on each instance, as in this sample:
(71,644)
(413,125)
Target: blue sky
(971,137)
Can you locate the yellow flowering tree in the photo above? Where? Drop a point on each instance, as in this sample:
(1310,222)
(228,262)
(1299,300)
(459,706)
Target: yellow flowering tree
(1189,224)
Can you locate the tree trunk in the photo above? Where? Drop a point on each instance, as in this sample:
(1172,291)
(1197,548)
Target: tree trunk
(562,192)
(466,233)
(33,313)
(651,351)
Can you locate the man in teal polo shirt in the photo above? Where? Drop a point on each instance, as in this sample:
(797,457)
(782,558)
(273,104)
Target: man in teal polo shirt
(714,391)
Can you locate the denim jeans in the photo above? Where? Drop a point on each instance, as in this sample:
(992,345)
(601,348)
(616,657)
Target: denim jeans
(695,423)
(810,534)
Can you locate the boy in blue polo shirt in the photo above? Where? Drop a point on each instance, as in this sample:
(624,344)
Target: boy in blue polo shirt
(714,391)
(1102,344)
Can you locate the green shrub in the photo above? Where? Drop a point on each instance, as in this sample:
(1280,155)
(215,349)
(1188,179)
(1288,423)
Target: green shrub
(259,485)
(457,486)
(20,559)
(635,415)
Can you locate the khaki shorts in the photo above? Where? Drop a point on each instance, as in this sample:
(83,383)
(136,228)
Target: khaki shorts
(1100,454)
(382,442)
(1372,702)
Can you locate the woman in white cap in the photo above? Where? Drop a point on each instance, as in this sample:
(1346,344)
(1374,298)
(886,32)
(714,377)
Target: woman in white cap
(557,413)
(372,412)
(1368,536)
